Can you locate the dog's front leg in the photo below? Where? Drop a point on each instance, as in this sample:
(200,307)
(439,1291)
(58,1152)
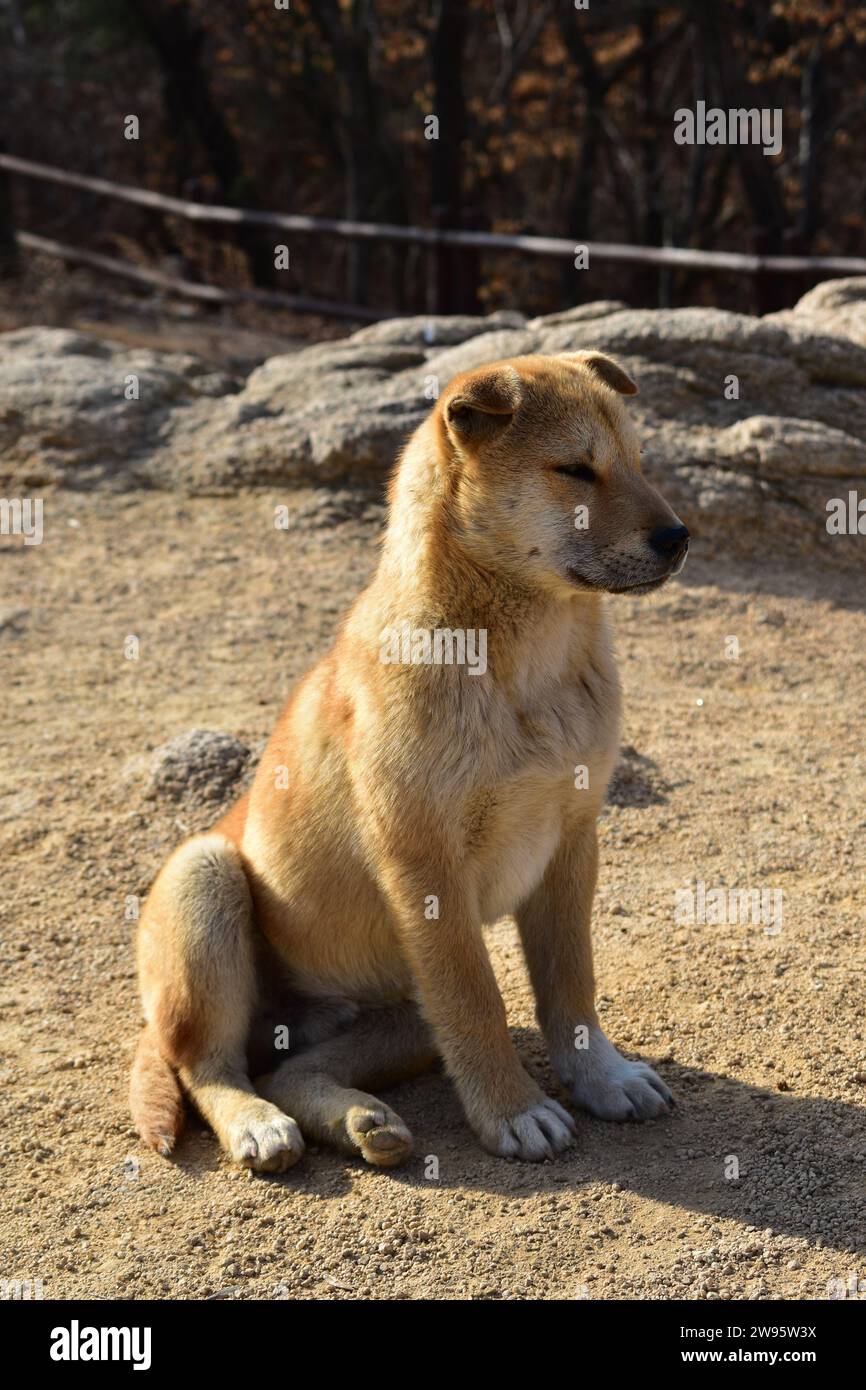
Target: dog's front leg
(554,927)
(441,936)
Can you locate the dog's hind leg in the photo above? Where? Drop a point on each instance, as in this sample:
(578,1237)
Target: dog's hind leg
(196,964)
(320,1085)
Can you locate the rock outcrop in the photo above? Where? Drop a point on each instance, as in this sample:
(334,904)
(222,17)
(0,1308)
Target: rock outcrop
(750,420)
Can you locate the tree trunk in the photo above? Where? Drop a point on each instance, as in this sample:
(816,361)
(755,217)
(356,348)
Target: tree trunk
(179,42)
(579,197)
(9,263)
(650,281)
(456,270)
(757,174)
(813,115)
(373,178)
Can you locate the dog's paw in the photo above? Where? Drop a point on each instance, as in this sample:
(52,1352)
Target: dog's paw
(540,1132)
(379,1133)
(612,1088)
(263,1138)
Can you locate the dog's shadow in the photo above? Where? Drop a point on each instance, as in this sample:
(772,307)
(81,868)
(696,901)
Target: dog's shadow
(757,1155)
(760,1156)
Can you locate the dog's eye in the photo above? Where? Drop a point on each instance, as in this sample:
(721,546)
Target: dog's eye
(577,470)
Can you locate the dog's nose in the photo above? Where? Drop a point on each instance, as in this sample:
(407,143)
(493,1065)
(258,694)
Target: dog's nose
(670,541)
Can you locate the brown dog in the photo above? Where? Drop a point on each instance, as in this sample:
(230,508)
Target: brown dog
(443,765)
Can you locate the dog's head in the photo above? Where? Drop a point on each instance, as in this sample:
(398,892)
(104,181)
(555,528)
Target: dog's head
(543,467)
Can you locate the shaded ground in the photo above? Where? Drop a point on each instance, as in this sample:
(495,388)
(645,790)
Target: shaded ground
(741,773)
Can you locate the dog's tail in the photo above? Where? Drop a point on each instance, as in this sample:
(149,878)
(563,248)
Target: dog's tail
(155,1097)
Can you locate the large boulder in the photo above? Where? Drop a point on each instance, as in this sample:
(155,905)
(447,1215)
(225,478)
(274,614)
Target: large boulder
(758,421)
(834,306)
(75,410)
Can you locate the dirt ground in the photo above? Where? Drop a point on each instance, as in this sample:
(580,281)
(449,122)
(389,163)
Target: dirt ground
(743,773)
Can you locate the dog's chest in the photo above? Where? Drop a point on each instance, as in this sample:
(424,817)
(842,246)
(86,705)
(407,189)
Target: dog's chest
(521,831)
(541,766)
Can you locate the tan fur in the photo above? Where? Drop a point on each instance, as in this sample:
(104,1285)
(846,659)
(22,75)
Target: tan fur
(400,806)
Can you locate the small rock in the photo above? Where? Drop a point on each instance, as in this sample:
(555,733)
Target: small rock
(202,764)
(771,617)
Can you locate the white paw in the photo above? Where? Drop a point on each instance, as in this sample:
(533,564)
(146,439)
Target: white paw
(533,1135)
(263,1138)
(609,1086)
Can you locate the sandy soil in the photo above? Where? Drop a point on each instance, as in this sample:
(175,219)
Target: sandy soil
(745,773)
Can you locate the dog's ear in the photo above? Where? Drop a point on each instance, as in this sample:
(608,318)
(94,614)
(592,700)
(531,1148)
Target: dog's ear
(481,403)
(610,372)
